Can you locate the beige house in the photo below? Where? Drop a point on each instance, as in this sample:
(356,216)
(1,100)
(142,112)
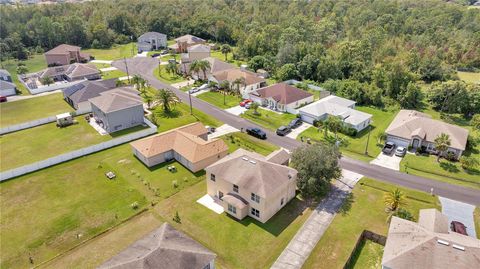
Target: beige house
(416,129)
(282,97)
(183,42)
(65,54)
(428,244)
(251,81)
(196,52)
(216,65)
(187,144)
(249,184)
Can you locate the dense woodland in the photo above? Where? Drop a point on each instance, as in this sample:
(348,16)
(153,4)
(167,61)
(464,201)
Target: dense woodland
(374,51)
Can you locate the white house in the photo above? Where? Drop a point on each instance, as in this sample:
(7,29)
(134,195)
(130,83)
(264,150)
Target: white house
(250,81)
(282,97)
(151,41)
(7,87)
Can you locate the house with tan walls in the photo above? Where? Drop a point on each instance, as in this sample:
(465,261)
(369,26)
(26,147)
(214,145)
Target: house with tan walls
(251,81)
(248,184)
(185,41)
(188,145)
(195,52)
(65,54)
(282,97)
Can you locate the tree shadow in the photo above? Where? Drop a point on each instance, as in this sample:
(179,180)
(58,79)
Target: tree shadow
(174,113)
(347,204)
(449,167)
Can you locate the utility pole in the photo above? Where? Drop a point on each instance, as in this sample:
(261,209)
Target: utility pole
(190,98)
(133,44)
(368,139)
(126,67)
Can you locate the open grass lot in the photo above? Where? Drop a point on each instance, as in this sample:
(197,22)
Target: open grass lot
(219,55)
(238,244)
(116,52)
(113,74)
(181,116)
(101,65)
(166,77)
(355,146)
(238,140)
(216,99)
(34,64)
(472,77)
(368,256)
(367,212)
(268,119)
(32,109)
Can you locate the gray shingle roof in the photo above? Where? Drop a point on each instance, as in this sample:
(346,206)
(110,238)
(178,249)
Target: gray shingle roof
(5,85)
(152,35)
(117,99)
(89,89)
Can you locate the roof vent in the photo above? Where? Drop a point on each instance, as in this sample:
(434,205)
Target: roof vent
(253,162)
(459,247)
(245,158)
(440,241)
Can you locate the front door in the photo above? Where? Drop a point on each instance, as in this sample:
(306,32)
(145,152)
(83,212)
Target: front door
(416,142)
(220,195)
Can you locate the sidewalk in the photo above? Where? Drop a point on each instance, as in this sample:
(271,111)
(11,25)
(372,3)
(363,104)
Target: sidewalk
(14,98)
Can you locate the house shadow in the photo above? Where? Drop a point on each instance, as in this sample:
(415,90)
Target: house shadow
(449,167)
(165,166)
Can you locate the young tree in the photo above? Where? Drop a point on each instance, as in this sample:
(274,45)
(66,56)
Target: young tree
(317,165)
(394,200)
(238,82)
(226,49)
(225,87)
(195,68)
(177,218)
(334,124)
(46,81)
(136,81)
(167,99)
(171,68)
(442,143)
(254,106)
(204,65)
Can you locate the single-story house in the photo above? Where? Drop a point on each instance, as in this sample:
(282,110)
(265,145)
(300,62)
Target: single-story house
(428,244)
(151,41)
(196,52)
(248,184)
(335,106)
(71,72)
(416,129)
(183,42)
(118,109)
(188,145)
(251,81)
(77,95)
(282,97)
(165,248)
(216,65)
(7,87)
(65,54)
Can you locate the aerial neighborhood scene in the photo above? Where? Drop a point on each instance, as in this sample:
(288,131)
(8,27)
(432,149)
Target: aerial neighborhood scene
(192,134)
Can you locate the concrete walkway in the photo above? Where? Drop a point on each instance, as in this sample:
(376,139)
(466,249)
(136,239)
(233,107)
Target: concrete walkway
(458,211)
(23,97)
(302,244)
(101,62)
(183,84)
(236,110)
(106,69)
(297,131)
(222,130)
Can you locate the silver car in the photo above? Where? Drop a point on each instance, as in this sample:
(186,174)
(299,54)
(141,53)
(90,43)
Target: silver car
(400,151)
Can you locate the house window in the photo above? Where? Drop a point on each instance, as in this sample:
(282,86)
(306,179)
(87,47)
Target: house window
(212,177)
(235,188)
(232,209)
(255,212)
(255,197)
(281,202)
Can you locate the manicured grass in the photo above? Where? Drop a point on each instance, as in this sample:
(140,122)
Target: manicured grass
(219,55)
(101,65)
(116,52)
(32,109)
(369,255)
(476,218)
(238,140)
(268,119)
(238,244)
(216,99)
(35,63)
(355,146)
(367,212)
(472,77)
(166,77)
(113,74)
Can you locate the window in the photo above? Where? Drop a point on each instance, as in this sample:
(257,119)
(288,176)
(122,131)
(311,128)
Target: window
(281,202)
(235,188)
(255,212)
(212,177)
(255,197)
(232,209)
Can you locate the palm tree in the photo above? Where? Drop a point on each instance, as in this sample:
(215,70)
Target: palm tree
(167,99)
(226,49)
(225,86)
(204,65)
(136,81)
(394,200)
(239,82)
(334,124)
(171,68)
(254,106)
(149,99)
(143,85)
(442,143)
(195,67)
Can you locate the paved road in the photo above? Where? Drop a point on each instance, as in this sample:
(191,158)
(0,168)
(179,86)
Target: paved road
(145,67)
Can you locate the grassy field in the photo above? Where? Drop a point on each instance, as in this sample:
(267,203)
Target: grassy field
(367,212)
(355,146)
(165,77)
(113,74)
(116,52)
(32,109)
(216,99)
(181,116)
(268,119)
(35,63)
(238,140)
(219,55)
(471,77)
(368,256)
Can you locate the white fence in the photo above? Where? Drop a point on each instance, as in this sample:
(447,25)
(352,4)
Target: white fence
(26,125)
(52,87)
(77,153)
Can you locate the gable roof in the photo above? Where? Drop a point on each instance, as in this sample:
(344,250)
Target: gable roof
(74,70)
(409,123)
(190,39)
(184,140)
(282,93)
(165,248)
(6,85)
(252,171)
(199,48)
(152,35)
(4,73)
(62,49)
(235,73)
(279,156)
(412,245)
(116,99)
(88,89)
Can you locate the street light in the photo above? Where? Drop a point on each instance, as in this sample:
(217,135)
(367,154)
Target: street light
(190,98)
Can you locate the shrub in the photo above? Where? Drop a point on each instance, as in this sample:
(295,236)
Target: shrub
(349,131)
(175,184)
(134,205)
(468,163)
(451,156)
(177,218)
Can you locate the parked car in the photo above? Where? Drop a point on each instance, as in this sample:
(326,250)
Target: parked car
(257,132)
(283,130)
(163,52)
(388,148)
(244,102)
(3,99)
(400,151)
(458,227)
(193,90)
(247,105)
(295,123)
(155,55)
(203,87)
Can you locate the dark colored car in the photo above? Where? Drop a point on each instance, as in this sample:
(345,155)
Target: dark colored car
(283,130)
(256,132)
(3,99)
(155,55)
(458,227)
(295,123)
(388,148)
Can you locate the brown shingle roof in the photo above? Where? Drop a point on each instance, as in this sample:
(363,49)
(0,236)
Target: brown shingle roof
(282,93)
(232,74)
(63,49)
(190,39)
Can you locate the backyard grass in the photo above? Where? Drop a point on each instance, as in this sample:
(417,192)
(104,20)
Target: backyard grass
(367,212)
(216,99)
(113,74)
(32,109)
(35,63)
(355,146)
(268,119)
(472,77)
(238,140)
(219,55)
(368,256)
(116,52)
(166,77)
(238,244)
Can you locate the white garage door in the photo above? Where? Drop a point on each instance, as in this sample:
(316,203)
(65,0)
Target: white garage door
(307,118)
(398,141)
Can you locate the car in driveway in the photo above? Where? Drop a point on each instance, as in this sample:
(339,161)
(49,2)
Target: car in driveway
(388,148)
(203,87)
(244,102)
(400,151)
(283,130)
(3,99)
(458,227)
(155,55)
(295,123)
(193,90)
(256,132)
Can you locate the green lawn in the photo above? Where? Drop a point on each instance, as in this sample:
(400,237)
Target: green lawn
(367,212)
(113,74)
(471,77)
(116,52)
(238,140)
(368,256)
(216,99)
(101,65)
(268,119)
(476,218)
(32,109)
(167,78)
(219,55)
(355,146)
(35,63)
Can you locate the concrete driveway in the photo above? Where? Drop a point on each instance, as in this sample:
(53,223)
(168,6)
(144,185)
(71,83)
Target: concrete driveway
(297,131)
(236,110)
(387,161)
(222,130)
(458,211)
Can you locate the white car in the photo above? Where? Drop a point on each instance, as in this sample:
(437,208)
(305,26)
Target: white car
(400,151)
(203,87)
